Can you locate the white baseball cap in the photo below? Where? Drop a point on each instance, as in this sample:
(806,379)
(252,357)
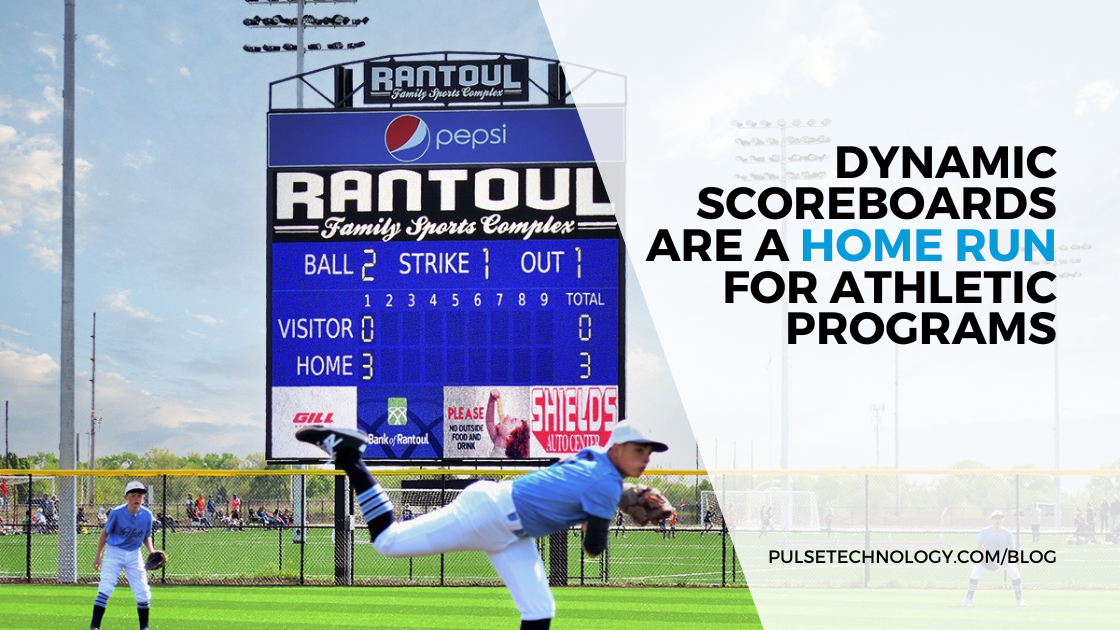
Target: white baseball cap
(997,514)
(625,432)
(135,486)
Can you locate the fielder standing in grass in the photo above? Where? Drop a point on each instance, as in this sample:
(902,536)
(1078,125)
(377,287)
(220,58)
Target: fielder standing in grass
(996,539)
(502,519)
(128,528)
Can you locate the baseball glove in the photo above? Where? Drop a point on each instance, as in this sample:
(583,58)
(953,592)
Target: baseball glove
(644,505)
(156,560)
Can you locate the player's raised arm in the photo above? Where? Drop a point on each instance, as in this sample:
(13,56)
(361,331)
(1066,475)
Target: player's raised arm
(595,533)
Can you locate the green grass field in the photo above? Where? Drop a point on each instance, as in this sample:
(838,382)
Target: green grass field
(24,607)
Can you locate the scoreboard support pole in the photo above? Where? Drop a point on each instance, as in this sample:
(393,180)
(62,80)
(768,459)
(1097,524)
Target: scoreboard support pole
(343,556)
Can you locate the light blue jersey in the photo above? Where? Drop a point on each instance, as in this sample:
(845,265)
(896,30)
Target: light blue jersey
(567,493)
(991,541)
(128,531)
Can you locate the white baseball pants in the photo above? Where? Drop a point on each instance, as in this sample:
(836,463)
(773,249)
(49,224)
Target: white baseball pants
(482,518)
(132,562)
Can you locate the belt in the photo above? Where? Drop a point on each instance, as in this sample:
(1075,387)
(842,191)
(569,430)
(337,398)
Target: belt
(511,519)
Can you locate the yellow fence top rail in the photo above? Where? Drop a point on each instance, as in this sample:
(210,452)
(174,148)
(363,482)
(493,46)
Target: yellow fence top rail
(401,472)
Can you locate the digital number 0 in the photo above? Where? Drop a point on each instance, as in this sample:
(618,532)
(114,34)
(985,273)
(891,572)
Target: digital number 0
(585,328)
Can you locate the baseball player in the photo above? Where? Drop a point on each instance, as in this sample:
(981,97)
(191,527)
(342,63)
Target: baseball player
(128,527)
(995,538)
(502,519)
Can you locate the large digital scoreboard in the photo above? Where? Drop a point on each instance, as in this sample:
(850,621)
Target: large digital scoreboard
(449,281)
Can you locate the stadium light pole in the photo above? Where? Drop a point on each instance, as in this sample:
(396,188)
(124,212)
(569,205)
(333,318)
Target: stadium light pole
(68,506)
(782,160)
(877,409)
(897,479)
(1055,264)
(302,21)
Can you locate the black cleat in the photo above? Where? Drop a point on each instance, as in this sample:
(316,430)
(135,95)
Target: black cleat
(334,440)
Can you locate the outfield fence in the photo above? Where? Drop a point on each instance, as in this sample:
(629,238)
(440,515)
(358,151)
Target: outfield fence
(271,540)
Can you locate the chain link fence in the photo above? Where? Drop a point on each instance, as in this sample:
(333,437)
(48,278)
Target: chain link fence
(242,527)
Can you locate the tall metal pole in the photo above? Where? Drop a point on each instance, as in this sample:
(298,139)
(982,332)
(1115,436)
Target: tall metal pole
(1057,421)
(787,502)
(67,533)
(299,54)
(897,479)
(93,419)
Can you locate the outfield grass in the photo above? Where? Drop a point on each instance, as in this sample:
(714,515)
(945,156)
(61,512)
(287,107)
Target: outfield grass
(24,607)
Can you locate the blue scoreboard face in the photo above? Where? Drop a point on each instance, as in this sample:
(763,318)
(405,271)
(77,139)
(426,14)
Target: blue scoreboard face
(457,312)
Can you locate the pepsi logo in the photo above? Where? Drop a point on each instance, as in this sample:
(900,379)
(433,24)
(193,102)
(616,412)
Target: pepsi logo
(407,138)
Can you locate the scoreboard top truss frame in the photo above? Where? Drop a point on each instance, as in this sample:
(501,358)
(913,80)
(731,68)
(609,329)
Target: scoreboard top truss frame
(548,83)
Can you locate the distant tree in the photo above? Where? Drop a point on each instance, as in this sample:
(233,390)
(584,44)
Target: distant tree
(157,458)
(44,461)
(120,461)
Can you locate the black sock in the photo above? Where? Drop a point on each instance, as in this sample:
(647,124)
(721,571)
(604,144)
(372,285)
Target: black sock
(377,509)
(535,624)
(98,613)
(355,469)
(142,611)
(972,584)
(1018,586)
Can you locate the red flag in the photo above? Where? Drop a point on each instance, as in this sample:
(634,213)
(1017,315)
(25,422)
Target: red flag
(4,488)
(944,509)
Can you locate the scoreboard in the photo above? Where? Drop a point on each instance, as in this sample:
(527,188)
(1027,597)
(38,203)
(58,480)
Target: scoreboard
(455,302)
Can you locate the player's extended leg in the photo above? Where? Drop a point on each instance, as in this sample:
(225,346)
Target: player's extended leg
(111,564)
(520,567)
(138,580)
(345,447)
(973,581)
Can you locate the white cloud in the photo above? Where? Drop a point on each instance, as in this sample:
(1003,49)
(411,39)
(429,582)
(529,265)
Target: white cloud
(27,370)
(119,302)
(51,104)
(137,161)
(103,53)
(174,37)
(1097,96)
(209,320)
(6,328)
(184,72)
(46,253)
(50,52)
